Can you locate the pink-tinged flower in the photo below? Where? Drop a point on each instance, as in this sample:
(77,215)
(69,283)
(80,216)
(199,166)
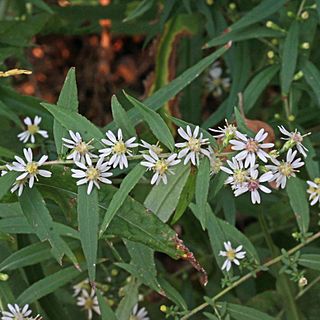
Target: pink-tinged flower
(253,185)
(314,191)
(32,129)
(251,147)
(283,170)
(193,147)
(232,255)
(294,139)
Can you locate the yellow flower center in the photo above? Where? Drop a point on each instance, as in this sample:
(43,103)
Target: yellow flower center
(314,192)
(119,147)
(239,176)
(194,144)
(156,149)
(32,167)
(92,173)
(82,148)
(88,305)
(32,128)
(231,255)
(286,169)
(317,180)
(161,166)
(133,318)
(252,146)
(217,82)
(216,165)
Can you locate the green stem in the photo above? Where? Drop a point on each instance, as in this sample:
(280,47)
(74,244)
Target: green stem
(3,8)
(249,275)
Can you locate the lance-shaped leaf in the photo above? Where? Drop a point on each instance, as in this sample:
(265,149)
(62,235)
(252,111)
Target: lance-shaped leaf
(142,7)
(311,261)
(155,123)
(127,184)
(163,198)
(241,312)
(289,57)
(6,182)
(74,121)
(106,312)
(312,76)
(68,99)
(38,216)
(47,285)
(296,189)
(88,219)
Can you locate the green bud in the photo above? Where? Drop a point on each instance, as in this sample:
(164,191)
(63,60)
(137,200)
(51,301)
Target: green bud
(4,277)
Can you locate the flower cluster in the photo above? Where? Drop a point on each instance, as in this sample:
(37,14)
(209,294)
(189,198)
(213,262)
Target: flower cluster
(17,313)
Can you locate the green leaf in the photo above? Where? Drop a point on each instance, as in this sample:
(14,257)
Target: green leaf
(296,189)
(142,7)
(68,99)
(241,123)
(48,285)
(41,5)
(163,198)
(127,184)
(6,153)
(257,85)
(251,32)
(312,76)
(142,258)
(125,307)
(311,261)
(75,122)
(240,312)
(38,216)
(202,189)
(289,57)
(88,219)
(9,114)
(106,311)
(160,97)
(186,196)
(6,182)
(155,123)
(312,164)
(121,118)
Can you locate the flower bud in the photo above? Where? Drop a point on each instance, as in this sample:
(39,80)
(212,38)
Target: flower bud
(291,118)
(298,75)
(232,6)
(275,41)
(4,277)
(114,272)
(303,281)
(305,45)
(270,54)
(277,116)
(290,14)
(210,2)
(163,308)
(305,15)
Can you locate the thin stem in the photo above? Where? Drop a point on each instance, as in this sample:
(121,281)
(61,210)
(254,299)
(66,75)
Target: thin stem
(249,275)
(301,7)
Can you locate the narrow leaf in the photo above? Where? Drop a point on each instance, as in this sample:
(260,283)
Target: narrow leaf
(106,311)
(241,312)
(88,219)
(311,261)
(142,7)
(312,77)
(6,182)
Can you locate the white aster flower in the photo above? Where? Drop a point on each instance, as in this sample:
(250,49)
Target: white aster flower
(314,191)
(80,286)
(118,148)
(294,139)
(251,147)
(215,82)
(15,313)
(80,149)
(283,170)
(232,255)
(92,175)
(253,184)
(192,148)
(238,174)
(89,302)
(139,314)
(32,129)
(228,131)
(18,184)
(29,168)
(160,166)
(154,147)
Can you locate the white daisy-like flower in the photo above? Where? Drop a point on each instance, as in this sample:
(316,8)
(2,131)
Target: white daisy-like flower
(251,147)
(80,149)
(294,139)
(139,314)
(18,185)
(228,131)
(118,149)
(232,255)
(80,286)
(253,184)
(192,148)
(89,302)
(92,175)
(156,148)
(160,166)
(283,170)
(215,82)
(32,129)
(15,313)
(314,191)
(29,167)
(238,174)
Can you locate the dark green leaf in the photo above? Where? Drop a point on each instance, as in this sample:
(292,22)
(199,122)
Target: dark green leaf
(106,311)
(6,182)
(240,312)
(241,123)
(142,7)
(311,261)
(312,76)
